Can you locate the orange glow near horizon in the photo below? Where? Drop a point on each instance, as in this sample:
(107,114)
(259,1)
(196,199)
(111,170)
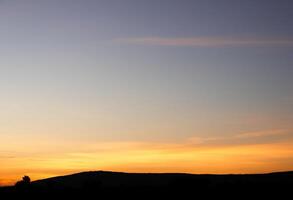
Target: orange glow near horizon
(152,157)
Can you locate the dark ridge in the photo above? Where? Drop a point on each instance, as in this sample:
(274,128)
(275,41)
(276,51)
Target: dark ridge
(106,184)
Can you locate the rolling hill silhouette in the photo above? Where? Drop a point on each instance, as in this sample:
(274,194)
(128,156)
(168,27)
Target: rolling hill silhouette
(150,185)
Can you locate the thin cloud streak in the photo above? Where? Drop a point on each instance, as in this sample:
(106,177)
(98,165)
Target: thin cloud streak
(206,41)
(264,133)
(246,138)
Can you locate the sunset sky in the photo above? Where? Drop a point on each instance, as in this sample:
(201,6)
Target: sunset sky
(197,86)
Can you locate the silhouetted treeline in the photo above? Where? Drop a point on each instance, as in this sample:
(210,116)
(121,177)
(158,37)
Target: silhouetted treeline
(105,185)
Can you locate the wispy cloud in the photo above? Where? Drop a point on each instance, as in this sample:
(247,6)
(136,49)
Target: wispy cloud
(265,133)
(207,41)
(246,138)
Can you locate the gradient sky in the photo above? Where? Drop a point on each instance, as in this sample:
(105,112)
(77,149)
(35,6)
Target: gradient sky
(199,86)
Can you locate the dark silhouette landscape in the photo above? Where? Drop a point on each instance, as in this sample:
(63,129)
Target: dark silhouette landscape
(104,184)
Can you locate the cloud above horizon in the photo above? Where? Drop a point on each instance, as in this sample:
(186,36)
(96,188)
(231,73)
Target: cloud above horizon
(245,138)
(207,41)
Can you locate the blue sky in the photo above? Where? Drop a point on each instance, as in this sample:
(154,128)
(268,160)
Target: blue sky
(71,51)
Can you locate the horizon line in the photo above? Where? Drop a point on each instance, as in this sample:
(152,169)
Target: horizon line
(153,173)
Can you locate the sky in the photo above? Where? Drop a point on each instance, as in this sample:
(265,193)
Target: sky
(197,86)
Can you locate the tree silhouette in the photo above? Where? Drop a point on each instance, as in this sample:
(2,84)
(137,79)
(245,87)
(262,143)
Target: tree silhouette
(24,183)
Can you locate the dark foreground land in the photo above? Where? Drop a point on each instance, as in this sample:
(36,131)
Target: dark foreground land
(109,185)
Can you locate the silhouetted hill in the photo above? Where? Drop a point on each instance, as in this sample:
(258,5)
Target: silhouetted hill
(149,185)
